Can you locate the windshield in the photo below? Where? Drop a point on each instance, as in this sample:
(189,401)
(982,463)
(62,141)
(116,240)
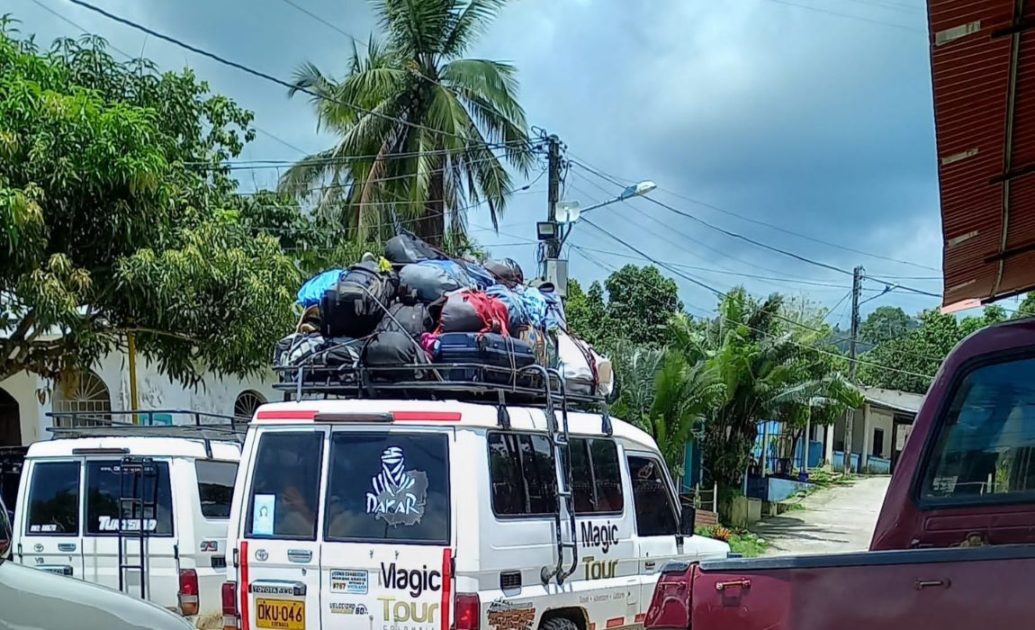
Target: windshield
(388,486)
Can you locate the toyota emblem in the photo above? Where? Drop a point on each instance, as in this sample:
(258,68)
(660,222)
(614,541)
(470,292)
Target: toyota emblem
(261,555)
(38,548)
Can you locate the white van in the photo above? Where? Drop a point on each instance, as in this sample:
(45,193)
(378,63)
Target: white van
(84,496)
(446,515)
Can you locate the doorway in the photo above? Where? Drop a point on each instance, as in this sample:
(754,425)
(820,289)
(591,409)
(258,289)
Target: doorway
(10,421)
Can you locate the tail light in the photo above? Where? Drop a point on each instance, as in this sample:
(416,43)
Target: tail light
(468,611)
(229,596)
(188,592)
(670,606)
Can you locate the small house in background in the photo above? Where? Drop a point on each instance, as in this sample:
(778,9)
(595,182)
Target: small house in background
(879,431)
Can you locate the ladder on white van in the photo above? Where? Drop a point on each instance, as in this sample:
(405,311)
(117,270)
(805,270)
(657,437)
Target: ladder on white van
(138,503)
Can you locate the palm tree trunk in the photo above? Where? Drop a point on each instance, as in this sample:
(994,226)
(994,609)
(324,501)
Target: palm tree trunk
(431,226)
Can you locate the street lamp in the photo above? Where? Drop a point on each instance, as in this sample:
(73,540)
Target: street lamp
(569,212)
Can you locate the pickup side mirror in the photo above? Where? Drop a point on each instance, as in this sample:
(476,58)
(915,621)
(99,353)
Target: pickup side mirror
(687,518)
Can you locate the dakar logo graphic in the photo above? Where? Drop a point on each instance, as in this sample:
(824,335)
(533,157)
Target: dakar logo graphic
(399,495)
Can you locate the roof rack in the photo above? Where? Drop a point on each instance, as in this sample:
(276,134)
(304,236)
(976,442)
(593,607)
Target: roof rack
(533,385)
(200,425)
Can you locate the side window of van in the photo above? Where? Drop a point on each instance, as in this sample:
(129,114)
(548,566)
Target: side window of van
(54,500)
(215,487)
(655,511)
(286,486)
(523,474)
(596,476)
(105,484)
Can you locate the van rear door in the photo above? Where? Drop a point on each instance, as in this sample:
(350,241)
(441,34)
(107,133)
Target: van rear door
(49,517)
(387,560)
(106,483)
(279,575)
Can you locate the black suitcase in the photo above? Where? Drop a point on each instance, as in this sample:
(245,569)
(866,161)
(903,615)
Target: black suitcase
(490,349)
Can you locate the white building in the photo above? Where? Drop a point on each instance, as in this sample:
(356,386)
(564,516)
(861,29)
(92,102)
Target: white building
(25,399)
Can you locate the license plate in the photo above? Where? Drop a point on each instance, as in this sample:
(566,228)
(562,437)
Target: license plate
(282,614)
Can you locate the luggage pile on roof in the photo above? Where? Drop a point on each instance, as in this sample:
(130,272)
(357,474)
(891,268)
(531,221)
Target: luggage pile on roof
(417,315)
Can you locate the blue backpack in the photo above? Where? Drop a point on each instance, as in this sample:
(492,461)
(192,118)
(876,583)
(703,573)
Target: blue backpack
(312,291)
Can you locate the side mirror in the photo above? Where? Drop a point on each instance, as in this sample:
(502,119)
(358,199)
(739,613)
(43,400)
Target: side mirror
(687,518)
(6,533)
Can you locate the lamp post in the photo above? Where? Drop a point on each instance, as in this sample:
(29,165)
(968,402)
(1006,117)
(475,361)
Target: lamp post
(572,212)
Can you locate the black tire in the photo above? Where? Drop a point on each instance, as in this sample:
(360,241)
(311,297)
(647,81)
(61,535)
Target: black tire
(558,623)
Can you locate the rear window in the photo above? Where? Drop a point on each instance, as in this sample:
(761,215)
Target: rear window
(596,476)
(54,500)
(985,449)
(388,486)
(523,474)
(286,486)
(215,487)
(106,483)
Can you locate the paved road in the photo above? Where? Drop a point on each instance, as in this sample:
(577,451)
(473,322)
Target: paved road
(835,520)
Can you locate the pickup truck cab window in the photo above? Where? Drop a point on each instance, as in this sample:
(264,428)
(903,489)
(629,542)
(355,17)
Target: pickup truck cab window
(985,449)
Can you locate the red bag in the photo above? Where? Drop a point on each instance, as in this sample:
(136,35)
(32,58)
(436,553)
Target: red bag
(470,311)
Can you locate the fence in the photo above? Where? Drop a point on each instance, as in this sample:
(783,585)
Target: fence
(706,501)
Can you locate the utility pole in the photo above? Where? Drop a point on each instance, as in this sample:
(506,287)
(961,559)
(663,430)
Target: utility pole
(857,275)
(552,245)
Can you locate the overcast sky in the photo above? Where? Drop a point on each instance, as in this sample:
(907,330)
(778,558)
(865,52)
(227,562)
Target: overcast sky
(811,115)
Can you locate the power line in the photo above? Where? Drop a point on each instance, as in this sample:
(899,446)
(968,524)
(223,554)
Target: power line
(773,226)
(763,332)
(533,147)
(258,73)
(849,16)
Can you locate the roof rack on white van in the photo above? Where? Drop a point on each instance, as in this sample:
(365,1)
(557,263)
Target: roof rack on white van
(199,425)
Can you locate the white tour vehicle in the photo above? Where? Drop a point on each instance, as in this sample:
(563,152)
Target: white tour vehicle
(84,494)
(388,514)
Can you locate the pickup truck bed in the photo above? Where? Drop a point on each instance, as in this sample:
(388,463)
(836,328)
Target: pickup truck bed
(965,588)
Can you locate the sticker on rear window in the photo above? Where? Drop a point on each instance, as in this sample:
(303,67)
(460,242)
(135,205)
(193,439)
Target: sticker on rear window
(399,495)
(350,581)
(262,514)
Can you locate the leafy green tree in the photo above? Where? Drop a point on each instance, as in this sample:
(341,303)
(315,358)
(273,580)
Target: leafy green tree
(116,219)
(437,120)
(918,354)
(1027,306)
(586,312)
(884,324)
(640,303)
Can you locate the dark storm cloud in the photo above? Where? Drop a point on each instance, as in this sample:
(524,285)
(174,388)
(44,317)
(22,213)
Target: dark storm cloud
(815,122)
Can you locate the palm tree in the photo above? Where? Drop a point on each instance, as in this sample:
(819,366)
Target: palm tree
(426,124)
(665,395)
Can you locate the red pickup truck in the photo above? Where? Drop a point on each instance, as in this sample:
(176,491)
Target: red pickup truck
(954,546)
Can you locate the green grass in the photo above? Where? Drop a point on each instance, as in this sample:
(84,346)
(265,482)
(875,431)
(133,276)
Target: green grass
(741,541)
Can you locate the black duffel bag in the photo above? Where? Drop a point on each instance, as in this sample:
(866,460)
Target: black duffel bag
(394,349)
(406,249)
(355,306)
(409,316)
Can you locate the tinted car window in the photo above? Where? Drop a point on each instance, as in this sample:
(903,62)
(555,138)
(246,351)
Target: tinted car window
(286,486)
(54,500)
(388,486)
(523,474)
(215,487)
(655,511)
(985,449)
(106,482)
(596,476)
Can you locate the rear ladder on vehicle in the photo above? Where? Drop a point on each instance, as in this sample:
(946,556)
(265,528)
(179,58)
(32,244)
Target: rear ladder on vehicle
(138,505)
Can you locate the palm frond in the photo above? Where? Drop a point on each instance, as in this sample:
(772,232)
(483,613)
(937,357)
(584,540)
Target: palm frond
(469,22)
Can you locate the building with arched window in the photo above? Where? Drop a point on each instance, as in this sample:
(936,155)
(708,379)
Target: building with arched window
(26,399)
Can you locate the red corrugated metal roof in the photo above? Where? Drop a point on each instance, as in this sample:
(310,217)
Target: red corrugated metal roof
(983,68)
